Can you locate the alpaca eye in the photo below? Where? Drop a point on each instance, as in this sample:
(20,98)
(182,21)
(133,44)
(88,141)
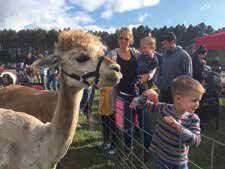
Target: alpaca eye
(82,58)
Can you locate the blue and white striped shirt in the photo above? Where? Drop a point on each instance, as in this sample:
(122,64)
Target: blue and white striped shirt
(167,143)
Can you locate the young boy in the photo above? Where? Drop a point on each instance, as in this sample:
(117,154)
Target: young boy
(177,126)
(147,63)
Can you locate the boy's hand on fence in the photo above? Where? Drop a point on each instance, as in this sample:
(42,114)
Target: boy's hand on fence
(134,103)
(152,95)
(172,123)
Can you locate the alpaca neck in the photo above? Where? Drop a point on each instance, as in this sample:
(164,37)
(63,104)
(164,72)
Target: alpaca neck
(66,114)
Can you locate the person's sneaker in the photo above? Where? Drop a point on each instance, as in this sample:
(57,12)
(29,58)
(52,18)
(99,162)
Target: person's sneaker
(112,149)
(105,146)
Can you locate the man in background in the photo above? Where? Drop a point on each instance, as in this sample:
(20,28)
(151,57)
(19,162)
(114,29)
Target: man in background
(175,61)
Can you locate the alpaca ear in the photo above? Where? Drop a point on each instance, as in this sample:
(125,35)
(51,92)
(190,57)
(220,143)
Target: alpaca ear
(47,61)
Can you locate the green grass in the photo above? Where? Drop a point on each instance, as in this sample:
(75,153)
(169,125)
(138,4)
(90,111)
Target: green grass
(202,154)
(85,153)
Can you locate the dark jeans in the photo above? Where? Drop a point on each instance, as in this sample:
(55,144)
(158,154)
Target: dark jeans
(109,129)
(128,120)
(165,96)
(144,124)
(87,100)
(42,78)
(51,79)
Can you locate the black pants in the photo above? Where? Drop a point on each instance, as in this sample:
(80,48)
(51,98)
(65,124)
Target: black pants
(109,129)
(87,101)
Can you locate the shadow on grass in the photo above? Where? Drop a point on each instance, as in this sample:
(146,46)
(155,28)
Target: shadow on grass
(85,143)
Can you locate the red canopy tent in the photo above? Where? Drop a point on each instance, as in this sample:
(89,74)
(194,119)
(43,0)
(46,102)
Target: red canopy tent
(214,41)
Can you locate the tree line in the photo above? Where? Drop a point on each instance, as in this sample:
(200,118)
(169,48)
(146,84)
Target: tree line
(15,45)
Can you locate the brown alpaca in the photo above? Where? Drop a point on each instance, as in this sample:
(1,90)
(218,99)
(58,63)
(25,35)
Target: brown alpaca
(26,142)
(38,103)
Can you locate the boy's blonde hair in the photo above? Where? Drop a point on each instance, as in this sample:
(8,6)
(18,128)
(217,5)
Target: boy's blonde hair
(149,40)
(128,32)
(184,85)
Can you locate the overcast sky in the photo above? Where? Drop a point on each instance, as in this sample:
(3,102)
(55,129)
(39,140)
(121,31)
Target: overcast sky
(109,14)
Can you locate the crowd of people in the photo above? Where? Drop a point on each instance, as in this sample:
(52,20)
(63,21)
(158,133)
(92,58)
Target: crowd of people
(180,80)
(28,75)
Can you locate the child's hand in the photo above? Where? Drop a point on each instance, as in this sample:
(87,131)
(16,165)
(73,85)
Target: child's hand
(144,78)
(134,103)
(151,95)
(172,123)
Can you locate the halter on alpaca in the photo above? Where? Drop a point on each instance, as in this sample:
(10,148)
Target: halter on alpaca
(83,78)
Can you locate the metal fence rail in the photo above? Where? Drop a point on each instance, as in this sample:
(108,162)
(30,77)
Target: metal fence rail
(134,158)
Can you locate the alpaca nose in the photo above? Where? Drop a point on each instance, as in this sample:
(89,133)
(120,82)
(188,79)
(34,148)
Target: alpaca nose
(115,67)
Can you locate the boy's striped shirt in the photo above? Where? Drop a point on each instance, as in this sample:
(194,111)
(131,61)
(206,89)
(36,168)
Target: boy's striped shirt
(171,146)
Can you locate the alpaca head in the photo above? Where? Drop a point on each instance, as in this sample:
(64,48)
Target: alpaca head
(81,58)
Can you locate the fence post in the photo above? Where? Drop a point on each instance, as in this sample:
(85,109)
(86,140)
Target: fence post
(212,154)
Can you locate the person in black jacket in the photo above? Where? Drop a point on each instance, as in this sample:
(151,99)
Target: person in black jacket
(198,61)
(29,60)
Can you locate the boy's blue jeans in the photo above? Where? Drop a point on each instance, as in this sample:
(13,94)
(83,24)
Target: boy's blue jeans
(51,79)
(160,164)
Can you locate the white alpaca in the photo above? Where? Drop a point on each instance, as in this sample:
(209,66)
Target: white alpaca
(26,142)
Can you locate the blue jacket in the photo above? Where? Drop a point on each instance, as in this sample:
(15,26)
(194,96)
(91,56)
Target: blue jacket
(174,63)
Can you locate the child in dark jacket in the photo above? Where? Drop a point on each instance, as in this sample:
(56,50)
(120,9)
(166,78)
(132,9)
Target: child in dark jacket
(147,63)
